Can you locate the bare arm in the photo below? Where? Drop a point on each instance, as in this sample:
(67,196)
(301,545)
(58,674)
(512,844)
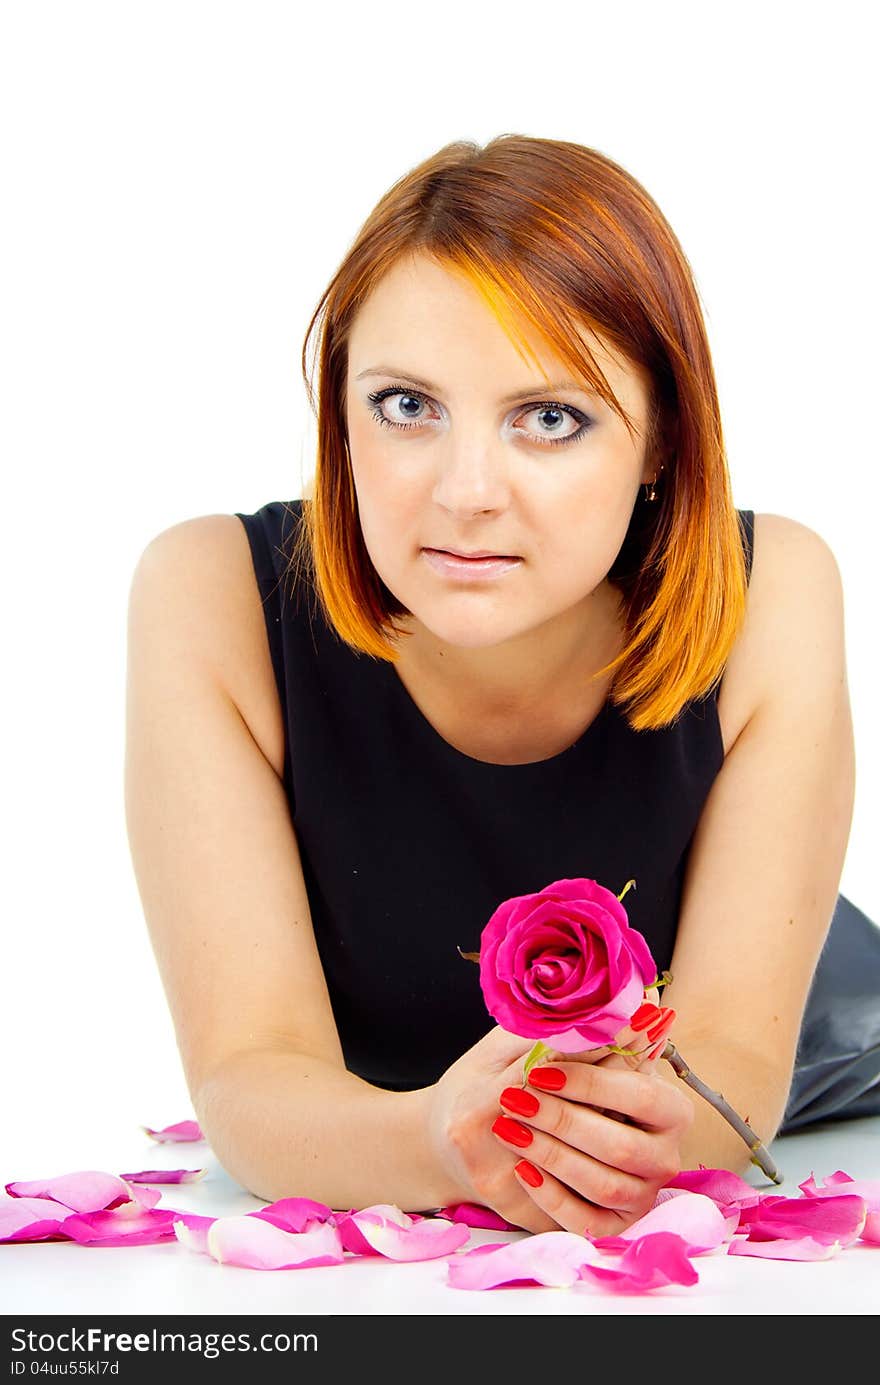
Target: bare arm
(221,883)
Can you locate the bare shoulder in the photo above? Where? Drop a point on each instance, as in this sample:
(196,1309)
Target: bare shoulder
(795,603)
(210,588)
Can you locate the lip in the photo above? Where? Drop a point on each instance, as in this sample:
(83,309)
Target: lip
(469,569)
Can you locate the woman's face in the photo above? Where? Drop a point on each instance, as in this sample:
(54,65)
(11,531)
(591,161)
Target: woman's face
(478,454)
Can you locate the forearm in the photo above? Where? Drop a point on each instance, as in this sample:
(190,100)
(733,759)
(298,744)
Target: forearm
(751,1085)
(286,1125)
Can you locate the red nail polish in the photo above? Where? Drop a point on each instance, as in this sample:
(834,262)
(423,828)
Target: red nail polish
(645,1015)
(547,1079)
(522,1103)
(662,1027)
(512,1131)
(528,1173)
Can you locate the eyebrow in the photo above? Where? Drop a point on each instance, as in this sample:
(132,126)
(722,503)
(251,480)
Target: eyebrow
(552,388)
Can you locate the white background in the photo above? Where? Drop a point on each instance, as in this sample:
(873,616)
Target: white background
(179,182)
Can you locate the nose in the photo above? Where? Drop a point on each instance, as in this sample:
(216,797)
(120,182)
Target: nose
(471,478)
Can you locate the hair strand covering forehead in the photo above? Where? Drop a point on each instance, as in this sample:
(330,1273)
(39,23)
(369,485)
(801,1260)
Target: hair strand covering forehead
(557,238)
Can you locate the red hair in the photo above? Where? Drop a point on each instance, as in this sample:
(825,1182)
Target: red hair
(562,237)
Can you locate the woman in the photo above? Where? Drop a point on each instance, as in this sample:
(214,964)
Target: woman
(346,747)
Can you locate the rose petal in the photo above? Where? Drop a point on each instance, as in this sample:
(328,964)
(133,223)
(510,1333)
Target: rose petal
(828,1220)
(192,1231)
(254,1243)
(723,1187)
(32,1219)
(649,1262)
(803,1249)
(165,1176)
(293,1213)
(694,1219)
(141,1226)
(88,1191)
(475,1214)
(385,1230)
(547,1257)
(179,1133)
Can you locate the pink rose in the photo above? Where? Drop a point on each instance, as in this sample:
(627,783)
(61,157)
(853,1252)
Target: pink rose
(564,966)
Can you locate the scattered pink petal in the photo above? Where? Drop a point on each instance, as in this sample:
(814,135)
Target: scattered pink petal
(182,1131)
(384,1229)
(866,1188)
(293,1213)
(804,1249)
(88,1191)
(32,1219)
(475,1214)
(140,1226)
(723,1187)
(165,1176)
(829,1220)
(650,1262)
(692,1217)
(255,1243)
(547,1257)
(192,1231)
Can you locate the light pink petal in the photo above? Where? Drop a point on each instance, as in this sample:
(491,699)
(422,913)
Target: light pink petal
(88,1191)
(837,1183)
(650,1262)
(547,1257)
(256,1244)
(693,1218)
(192,1231)
(32,1219)
(165,1176)
(803,1249)
(396,1235)
(871,1229)
(828,1220)
(179,1133)
(120,1227)
(722,1186)
(475,1214)
(293,1213)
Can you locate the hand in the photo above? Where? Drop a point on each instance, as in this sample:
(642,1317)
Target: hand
(463,1105)
(604,1143)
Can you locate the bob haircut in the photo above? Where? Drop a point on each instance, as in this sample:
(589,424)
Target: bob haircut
(559,236)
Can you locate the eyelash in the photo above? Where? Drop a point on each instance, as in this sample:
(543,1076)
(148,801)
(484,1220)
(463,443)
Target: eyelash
(586,423)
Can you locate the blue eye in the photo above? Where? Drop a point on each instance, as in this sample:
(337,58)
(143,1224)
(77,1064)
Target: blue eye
(547,406)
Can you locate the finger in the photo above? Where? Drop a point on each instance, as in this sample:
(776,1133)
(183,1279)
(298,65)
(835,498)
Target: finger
(593,1180)
(612,1140)
(635,1094)
(567,1210)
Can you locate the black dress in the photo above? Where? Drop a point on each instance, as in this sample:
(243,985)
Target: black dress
(408,845)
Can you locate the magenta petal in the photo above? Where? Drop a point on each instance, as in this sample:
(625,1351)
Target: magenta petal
(257,1244)
(723,1187)
(88,1191)
(475,1214)
(192,1231)
(547,1257)
(293,1213)
(803,1249)
(139,1227)
(829,1220)
(179,1133)
(32,1219)
(649,1262)
(693,1218)
(390,1232)
(165,1176)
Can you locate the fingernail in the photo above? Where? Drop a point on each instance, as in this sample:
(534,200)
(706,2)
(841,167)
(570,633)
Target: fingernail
(656,1051)
(521,1102)
(662,1027)
(547,1079)
(645,1015)
(528,1173)
(512,1131)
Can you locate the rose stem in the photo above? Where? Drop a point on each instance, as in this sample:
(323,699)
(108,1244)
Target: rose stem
(760,1157)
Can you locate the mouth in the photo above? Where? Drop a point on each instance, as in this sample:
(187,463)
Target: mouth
(476,556)
(458,567)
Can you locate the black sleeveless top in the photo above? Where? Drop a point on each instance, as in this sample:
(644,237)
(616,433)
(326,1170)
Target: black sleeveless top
(408,845)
